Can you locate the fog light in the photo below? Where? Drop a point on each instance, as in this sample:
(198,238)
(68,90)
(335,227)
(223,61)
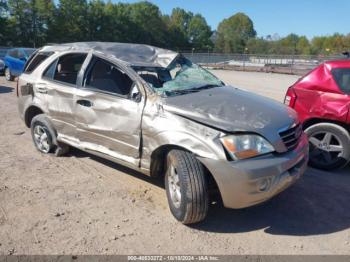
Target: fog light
(264,184)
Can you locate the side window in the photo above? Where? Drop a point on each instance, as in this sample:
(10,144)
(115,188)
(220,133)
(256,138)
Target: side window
(34,62)
(342,77)
(106,77)
(66,68)
(13,53)
(50,71)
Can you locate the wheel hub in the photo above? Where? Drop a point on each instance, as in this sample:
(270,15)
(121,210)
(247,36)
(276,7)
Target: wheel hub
(326,147)
(41,139)
(174,186)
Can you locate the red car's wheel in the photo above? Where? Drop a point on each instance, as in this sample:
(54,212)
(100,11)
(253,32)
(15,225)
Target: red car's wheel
(329,146)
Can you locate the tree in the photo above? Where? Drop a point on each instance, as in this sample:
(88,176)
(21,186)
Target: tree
(233,33)
(258,46)
(20,22)
(303,46)
(4,33)
(120,27)
(42,19)
(29,21)
(150,27)
(181,19)
(70,21)
(199,33)
(178,24)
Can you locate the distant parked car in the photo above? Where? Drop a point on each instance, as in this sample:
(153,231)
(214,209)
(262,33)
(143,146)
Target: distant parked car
(14,61)
(322,100)
(2,67)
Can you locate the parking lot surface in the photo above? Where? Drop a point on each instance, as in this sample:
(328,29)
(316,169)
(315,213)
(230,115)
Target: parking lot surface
(83,204)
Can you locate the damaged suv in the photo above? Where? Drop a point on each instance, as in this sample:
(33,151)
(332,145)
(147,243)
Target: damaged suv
(156,112)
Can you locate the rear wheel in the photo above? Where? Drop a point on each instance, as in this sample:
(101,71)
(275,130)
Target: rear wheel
(8,75)
(329,146)
(41,134)
(44,136)
(186,187)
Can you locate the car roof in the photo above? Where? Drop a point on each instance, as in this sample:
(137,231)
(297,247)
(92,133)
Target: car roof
(343,63)
(131,54)
(22,48)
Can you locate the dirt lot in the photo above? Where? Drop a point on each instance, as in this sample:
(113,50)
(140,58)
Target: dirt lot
(82,204)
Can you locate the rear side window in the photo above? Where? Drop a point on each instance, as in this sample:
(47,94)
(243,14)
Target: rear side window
(66,68)
(342,77)
(35,61)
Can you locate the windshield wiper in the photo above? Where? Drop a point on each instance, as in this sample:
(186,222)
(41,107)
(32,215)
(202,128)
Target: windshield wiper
(180,92)
(208,86)
(190,90)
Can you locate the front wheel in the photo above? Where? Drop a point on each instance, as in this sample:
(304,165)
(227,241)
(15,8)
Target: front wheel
(186,187)
(329,146)
(8,75)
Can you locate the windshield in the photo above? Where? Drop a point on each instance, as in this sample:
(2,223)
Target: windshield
(180,77)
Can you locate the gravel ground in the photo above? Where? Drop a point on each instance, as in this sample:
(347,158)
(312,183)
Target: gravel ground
(83,204)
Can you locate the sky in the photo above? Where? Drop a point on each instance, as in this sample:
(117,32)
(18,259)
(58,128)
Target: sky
(303,17)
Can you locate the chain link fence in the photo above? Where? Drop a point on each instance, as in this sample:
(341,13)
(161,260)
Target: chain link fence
(287,64)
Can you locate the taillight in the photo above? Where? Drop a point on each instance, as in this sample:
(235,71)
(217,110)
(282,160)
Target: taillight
(290,98)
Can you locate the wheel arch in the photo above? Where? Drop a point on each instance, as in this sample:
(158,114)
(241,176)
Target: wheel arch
(30,113)
(158,158)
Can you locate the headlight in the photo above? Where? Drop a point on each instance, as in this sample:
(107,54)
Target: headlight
(246,146)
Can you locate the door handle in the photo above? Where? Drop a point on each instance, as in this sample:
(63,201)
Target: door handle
(84,102)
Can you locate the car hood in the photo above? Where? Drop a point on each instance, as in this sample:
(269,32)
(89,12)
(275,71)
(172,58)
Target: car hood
(233,110)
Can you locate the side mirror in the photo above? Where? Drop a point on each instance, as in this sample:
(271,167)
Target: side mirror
(23,59)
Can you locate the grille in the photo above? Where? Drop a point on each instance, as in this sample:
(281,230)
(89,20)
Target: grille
(291,136)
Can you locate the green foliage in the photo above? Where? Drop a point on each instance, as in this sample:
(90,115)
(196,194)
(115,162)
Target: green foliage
(199,33)
(38,22)
(4,23)
(234,33)
(300,45)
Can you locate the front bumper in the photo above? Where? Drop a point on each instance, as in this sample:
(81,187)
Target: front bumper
(252,181)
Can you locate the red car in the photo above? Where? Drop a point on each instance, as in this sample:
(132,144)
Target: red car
(322,99)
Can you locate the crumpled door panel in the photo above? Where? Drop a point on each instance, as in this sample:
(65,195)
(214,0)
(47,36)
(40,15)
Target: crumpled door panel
(111,122)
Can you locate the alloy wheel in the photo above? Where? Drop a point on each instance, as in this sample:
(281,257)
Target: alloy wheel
(41,138)
(325,148)
(174,186)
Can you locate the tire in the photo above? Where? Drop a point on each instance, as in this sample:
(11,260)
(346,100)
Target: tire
(58,148)
(329,146)
(8,75)
(185,175)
